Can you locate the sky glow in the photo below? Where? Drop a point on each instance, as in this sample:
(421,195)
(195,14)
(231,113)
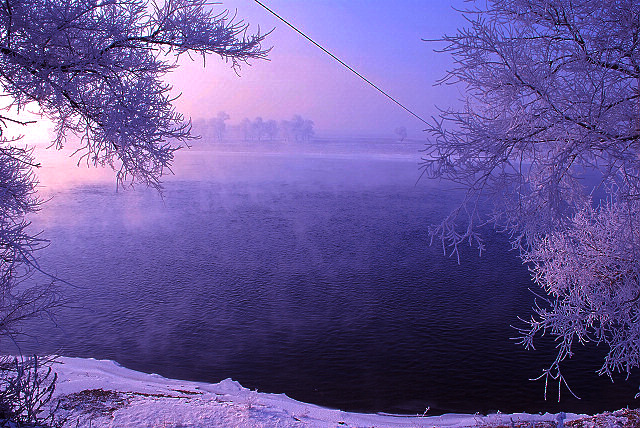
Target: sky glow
(380,39)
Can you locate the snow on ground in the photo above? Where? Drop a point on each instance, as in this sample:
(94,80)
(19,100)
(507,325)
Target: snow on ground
(101,393)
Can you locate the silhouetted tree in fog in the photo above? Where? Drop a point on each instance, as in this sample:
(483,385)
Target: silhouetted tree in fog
(297,129)
(217,124)
(257,128)
(246,128)
(271,129)
(401,132)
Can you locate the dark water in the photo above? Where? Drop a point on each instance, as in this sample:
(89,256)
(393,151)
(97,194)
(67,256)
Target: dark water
(313,277)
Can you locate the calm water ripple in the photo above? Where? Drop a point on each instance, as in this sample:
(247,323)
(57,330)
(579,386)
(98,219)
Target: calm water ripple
(315,282)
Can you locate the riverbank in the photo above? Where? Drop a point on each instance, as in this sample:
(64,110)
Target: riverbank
(101,393)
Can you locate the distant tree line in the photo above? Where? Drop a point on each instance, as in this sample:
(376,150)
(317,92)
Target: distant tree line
(258,129)
(296,129)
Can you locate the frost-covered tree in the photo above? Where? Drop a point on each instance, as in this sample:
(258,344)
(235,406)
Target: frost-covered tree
(401,132)
(271,128)
(257,128)
(246,128)
(297,128)
(591,271)
(94,68)
(552,112)
(217,124)
(302,128)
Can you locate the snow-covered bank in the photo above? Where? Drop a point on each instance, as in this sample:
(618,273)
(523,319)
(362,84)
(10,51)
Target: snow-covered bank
(101,393)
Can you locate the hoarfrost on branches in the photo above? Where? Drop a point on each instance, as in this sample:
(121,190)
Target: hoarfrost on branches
(94,68)
(590,271)
(552,104)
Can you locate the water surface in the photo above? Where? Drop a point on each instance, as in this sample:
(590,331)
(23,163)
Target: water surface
(308,275)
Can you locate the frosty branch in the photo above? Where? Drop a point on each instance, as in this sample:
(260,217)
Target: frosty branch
(551,115)
(73,59)
(95,68)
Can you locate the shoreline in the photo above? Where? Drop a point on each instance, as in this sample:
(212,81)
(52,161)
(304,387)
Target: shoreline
(101,393)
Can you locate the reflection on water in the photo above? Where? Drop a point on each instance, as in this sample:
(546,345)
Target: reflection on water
(311,276)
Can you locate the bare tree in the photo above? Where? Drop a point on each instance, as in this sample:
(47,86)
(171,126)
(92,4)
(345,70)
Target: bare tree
(217,124)
(271,128)
(298,128)
(401,132)
(553,98)
(246,127)
(94,68)
(258,128)
(285,130)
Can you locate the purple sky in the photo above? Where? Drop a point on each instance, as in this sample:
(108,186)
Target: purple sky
(379,38)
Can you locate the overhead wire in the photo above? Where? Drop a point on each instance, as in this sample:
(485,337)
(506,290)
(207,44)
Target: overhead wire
(341,62)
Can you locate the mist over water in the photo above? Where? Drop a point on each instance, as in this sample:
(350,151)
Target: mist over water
(306,271)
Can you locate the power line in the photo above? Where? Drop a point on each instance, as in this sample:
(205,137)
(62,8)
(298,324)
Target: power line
(341,62)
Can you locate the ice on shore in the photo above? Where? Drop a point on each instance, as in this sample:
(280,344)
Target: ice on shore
(101,393)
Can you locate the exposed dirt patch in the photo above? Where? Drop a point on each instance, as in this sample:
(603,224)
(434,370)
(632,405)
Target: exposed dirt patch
(624,418)
(95,401)
(101,402)
(521,424)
